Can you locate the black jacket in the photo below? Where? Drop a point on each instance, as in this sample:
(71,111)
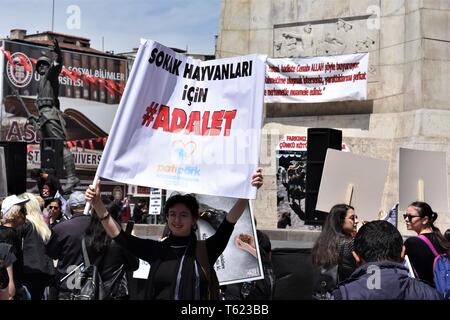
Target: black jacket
(165,258)
(7,258)
(111,259)
(65,242)
(12,237)
(35,260)
(347,262)
(421,257)
(391,283)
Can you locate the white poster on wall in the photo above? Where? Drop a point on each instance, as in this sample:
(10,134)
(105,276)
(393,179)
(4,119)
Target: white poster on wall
(316,79)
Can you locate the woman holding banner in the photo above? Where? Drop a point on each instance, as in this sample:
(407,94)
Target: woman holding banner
(182,266)
(420,218)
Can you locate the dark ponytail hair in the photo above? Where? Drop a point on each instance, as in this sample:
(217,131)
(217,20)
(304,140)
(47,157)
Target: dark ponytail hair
(326,250)
(425,210)
(95,235)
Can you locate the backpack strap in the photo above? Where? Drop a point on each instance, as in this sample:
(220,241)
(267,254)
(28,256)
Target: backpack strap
(201,254)
(429,244)
(87,262)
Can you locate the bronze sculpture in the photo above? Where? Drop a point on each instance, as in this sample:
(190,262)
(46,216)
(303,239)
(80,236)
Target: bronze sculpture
(51,123)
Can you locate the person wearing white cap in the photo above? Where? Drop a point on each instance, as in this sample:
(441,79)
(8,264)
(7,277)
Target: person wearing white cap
(12,216)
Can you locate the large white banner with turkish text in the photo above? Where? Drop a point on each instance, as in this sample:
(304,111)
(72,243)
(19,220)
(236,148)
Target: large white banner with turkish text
(317,79)
(188,125)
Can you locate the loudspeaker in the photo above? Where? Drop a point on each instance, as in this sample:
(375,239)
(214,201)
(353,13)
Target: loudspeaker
(295,275)
(319,140)
(52,155)
(16,166)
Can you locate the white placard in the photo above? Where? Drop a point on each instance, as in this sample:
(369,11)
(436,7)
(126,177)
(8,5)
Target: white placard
(317,79)
(366,175)
(188,125)
(431,168)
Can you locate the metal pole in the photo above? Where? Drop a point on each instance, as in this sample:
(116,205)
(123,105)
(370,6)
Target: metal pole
(53,16)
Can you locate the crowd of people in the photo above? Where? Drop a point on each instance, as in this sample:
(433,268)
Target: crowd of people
(369,263)
(42,247)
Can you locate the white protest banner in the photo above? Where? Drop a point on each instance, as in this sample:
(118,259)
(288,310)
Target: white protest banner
(188,125)
(317,79)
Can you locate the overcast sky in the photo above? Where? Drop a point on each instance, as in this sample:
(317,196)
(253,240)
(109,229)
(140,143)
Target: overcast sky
(174,23)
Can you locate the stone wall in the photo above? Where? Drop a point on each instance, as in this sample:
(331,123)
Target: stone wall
(409,72)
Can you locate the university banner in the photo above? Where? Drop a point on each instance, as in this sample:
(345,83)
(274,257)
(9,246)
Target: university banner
(317,79)
(91,84)
(188,125)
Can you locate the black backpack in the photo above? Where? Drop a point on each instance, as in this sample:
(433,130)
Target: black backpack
(88,283)
(327,281)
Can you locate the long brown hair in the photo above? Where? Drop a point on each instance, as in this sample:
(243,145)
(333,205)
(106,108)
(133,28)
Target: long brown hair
(326,251)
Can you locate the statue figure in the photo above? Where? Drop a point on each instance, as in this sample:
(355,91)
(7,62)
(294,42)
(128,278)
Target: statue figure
(51,124)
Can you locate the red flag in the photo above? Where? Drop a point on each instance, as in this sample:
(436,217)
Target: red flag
(90,79)
(121,85)
(79,76)
(69,144)
(82,145)
(91,144)
(104,141)
(69,74)
(8,57)
(24,62)
(113,86)
(105,85)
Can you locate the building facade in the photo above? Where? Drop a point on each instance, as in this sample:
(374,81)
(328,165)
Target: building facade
(409,70)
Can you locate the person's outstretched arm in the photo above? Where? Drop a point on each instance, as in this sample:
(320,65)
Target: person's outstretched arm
(218,241)
(240,205)
(112,228)
(58,54)
(145,249)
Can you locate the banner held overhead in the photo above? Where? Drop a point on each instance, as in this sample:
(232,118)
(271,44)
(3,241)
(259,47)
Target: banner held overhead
(188,125)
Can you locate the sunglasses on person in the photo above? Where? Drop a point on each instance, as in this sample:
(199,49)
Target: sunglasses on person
(53,207)
(409,217)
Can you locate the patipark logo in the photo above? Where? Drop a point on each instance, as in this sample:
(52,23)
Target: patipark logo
(183,150)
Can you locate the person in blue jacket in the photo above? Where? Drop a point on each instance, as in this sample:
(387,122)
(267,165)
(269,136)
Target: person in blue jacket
(379,250)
